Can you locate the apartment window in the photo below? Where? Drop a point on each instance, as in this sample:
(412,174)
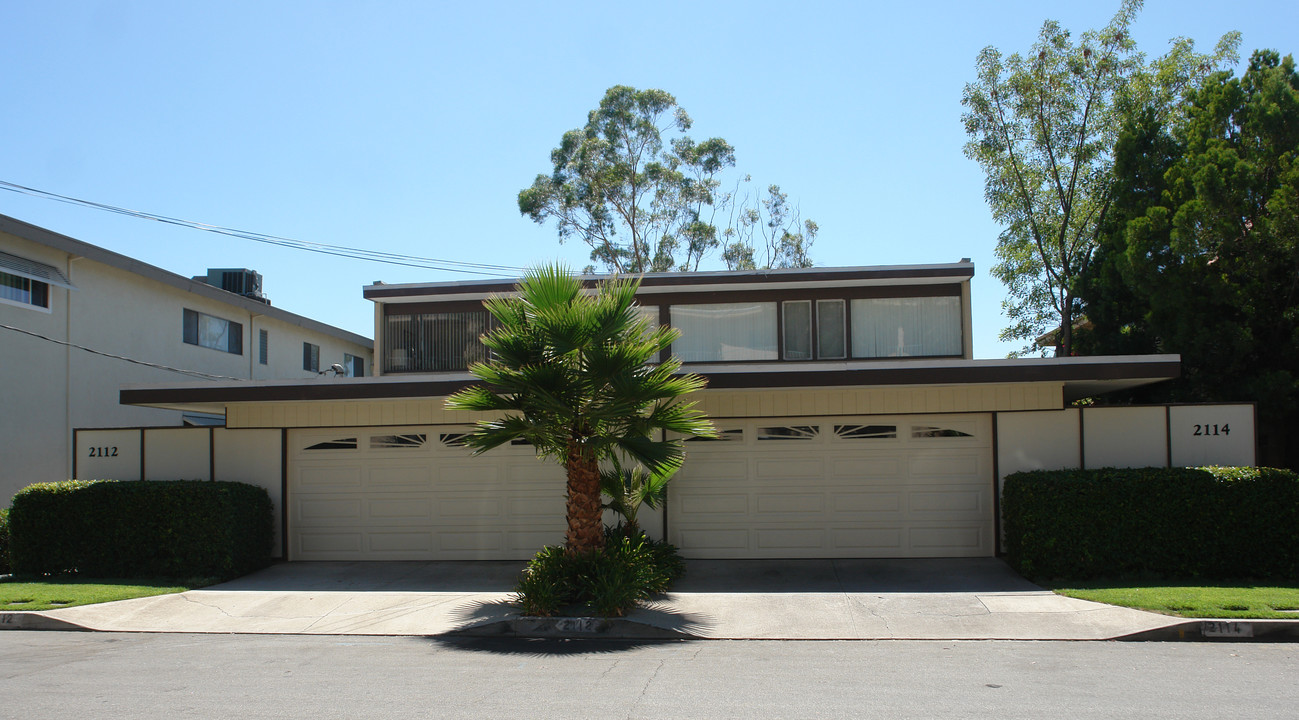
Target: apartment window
(263,346)
(27,282)
(434,342)
(24,291)
(807,336)
(353,366)
(830,328)
(906,327)
(725,332)
(310,357)
(213,332)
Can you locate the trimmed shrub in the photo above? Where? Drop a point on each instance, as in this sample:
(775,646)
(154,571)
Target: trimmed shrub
(179,529)
(1206,523)
(607,582)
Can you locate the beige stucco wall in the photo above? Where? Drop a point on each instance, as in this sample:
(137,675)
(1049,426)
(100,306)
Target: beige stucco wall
(59,388)
(1125,437)
(188,453)
(714,403)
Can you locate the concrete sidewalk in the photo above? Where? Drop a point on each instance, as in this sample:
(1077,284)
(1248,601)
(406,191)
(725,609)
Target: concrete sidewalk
(948,599)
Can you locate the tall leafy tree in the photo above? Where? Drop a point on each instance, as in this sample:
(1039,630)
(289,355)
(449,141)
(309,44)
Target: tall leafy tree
(1206,260)
(571,372)
(645,197)
(1043,126)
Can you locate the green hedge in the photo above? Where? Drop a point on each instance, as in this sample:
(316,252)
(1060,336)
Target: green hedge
(4,541)
(181,529)
(1210,523)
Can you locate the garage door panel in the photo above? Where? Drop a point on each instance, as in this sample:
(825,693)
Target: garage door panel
(704,541)
(956,541)
(400,542)
(871,504)
(806,466)
(330,477)
(335,542)
(488,542)
(398,478)
(866,467)
(948,501)
(730,470)
(329,510)
(465,474)
(945,465)
(399,509)
(790,539)
(548,505)
(469,508)
(702,505)
(788,503)
(874,538)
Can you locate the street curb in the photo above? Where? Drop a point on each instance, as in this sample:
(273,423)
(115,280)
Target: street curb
(1225,630)
(571,628)
(31,620)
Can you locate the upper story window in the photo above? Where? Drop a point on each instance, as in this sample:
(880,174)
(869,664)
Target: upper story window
(213,332)
(310,357)
(24,291)
(27,282)
(263,347)
(353,366)
(906,327)
(434,342)
(813,330)
(725,331)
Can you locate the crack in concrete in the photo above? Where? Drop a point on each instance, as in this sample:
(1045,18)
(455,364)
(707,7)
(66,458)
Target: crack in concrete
(644,690)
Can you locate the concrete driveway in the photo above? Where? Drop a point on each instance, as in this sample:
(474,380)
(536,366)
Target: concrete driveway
(947,599)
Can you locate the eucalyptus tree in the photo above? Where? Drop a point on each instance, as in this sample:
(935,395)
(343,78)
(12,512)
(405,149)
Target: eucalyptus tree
(646,197)
(1043,126)
(577,374)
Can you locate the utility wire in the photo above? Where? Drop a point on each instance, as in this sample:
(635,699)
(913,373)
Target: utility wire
(195,373)
(324,249)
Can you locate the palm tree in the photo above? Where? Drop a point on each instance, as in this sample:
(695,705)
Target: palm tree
(571,373)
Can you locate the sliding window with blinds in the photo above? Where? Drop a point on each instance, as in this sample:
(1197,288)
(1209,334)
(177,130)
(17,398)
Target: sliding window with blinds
(434,342)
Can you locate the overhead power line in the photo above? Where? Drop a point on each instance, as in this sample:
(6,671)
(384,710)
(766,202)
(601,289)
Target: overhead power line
(195,373)
(455,266)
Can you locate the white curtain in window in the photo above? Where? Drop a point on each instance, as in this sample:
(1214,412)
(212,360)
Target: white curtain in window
(725,331)
(906,327)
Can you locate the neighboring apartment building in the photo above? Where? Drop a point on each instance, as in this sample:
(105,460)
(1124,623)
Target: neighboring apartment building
(854,422)
(81,321)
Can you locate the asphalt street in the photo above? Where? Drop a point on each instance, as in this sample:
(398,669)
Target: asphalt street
(71,674)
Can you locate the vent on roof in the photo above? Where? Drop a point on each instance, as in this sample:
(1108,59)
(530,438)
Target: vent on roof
(236,280)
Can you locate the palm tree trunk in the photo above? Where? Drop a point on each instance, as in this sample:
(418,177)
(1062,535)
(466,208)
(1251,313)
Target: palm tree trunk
(585,517)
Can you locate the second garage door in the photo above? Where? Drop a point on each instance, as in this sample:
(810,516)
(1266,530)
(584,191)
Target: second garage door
(906,486)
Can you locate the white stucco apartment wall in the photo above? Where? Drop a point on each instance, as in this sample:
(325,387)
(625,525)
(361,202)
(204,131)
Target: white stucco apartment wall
(126,308)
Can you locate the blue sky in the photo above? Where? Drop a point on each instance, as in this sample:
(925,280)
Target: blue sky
(411,127)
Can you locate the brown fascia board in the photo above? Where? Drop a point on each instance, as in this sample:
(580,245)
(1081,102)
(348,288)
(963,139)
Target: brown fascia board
(957,271)
(72,246)
(1150,368)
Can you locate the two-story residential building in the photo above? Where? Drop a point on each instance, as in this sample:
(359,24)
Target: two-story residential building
(854,422)
(78,321)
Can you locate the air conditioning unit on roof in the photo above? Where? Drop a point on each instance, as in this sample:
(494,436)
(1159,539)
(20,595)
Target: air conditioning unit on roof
(240,281)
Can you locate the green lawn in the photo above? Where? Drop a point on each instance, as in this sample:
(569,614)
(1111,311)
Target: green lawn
(1225,601)
(54,593)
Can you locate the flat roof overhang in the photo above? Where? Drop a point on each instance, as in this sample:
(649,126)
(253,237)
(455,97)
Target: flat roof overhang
(1081,377)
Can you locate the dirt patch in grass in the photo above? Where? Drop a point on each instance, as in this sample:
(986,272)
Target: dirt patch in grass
(1195,601)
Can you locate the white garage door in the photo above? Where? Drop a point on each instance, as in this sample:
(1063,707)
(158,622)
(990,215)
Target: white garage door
(414,494)
(905,486)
